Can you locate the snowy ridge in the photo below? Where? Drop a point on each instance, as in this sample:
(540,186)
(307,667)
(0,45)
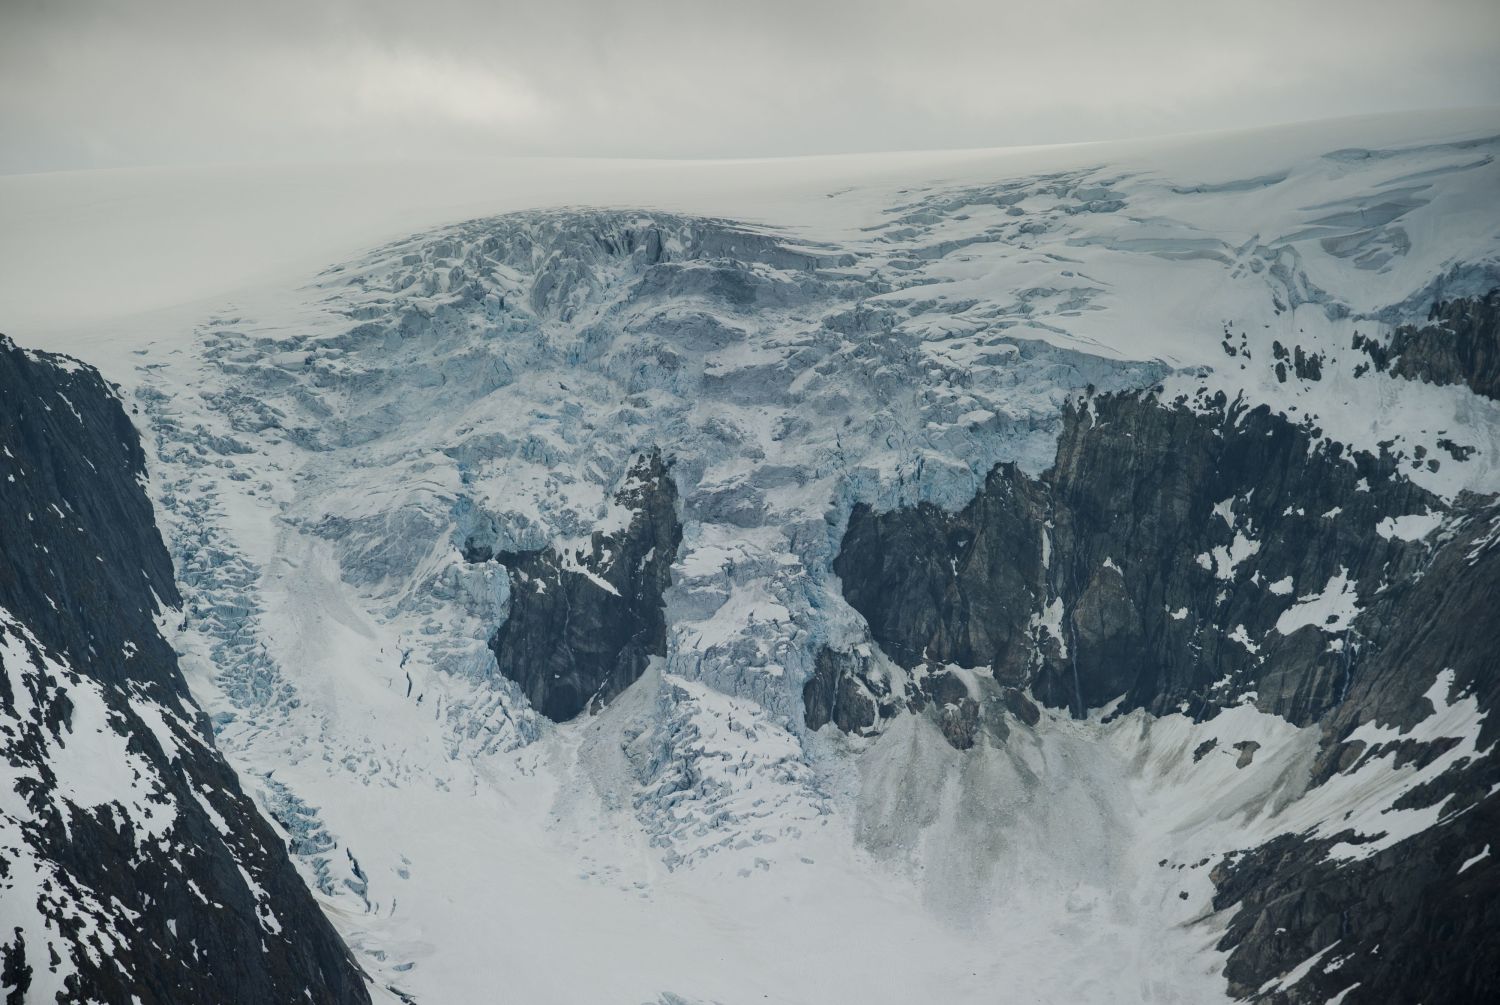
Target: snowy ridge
(94,772)
(132,865)
(323,464)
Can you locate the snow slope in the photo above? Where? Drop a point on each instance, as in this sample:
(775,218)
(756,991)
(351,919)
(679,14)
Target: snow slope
(84,250)
(890,328)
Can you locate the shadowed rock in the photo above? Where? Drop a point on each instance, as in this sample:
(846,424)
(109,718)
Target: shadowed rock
(1460,344)
(169,888)
(1142,565)
(583,625)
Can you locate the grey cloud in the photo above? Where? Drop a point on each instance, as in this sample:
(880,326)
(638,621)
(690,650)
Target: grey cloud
(87,83)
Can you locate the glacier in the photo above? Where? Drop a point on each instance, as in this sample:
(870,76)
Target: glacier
(328,457)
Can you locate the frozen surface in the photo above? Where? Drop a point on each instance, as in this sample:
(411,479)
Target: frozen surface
(889,329)
(92,771)
(141,240)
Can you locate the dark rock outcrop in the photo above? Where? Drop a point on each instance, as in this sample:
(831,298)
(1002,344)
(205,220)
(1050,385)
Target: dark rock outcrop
(170,887)
(584,625)
(1187,556)
(849,690)
(1405,923)
(844,691)
(1157,560)
(1460,344)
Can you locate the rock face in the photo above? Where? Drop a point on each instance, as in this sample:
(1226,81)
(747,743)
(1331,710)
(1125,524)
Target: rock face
(1180,558)
(585,621)
(840,691)
(1405,923)
(132,866)
(1460,344)
(1414,921)
(1193,555)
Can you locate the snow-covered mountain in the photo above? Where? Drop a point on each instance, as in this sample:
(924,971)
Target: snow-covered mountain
(132,865)
(1052,576)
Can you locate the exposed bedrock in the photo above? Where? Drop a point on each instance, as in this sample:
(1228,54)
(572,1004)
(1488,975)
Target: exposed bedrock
(1459,344)
(842,690)
(1404,924)
(1415,921)
(1179,559)
(1186,556)
(586,619)
(133,868)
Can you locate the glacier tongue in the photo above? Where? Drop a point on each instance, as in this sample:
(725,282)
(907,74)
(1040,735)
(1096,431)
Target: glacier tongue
(328,469)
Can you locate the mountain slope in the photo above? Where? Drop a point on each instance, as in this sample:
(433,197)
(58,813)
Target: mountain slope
(133,868)
(1060,578)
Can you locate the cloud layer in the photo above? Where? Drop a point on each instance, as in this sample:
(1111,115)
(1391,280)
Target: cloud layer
(90,83)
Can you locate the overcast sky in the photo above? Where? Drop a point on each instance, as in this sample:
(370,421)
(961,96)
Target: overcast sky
(104,83)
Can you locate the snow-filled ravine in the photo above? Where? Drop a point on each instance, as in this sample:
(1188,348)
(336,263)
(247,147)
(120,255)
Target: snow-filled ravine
(326,456)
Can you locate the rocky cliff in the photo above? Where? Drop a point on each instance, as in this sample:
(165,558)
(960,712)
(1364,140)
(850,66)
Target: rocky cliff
(133,868)
(1459,344)
(1194,555)
(1171,558)
(584,621)
(1020,566)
